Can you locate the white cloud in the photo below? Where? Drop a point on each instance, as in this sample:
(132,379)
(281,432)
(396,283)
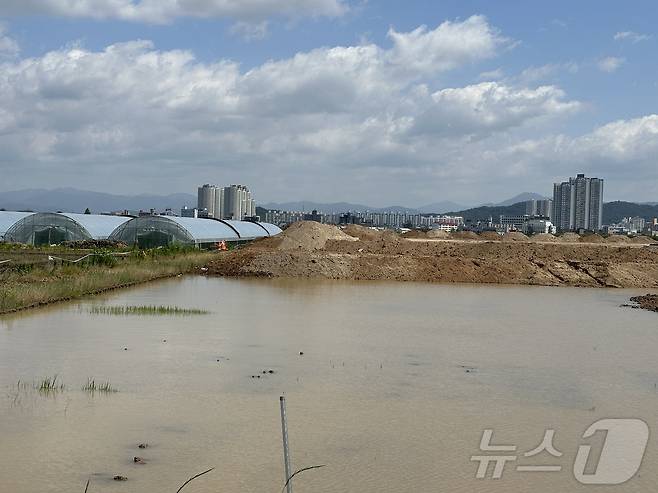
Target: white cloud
(488,107)
(250,31)
(631,36)
(492,74)
(449,45)
(8,46)
(131,118)
(159,11)
(543,72)
(621,142)
(610,64)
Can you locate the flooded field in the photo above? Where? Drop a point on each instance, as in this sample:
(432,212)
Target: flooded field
(395,386)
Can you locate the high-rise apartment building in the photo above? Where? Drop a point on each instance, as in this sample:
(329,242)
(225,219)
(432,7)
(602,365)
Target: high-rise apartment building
(233,202)
(206,199)
(543,208)
(578,204)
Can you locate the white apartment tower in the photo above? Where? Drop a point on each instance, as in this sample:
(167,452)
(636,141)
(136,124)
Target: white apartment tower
(238,203)
(232,202)
(206,199)
(578,204)
(543,208)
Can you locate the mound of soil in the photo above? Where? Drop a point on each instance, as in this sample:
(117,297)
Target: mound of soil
(438,234)
(542,237)
(592,238)
(642,240)
(464,235)
(362,233)
(618,239)
(569,238)
(415,233)
(490,235)
(514,236)
(309,235)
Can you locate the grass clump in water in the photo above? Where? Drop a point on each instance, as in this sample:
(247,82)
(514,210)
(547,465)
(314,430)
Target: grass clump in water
(49,384)
(145,310)
(92,386)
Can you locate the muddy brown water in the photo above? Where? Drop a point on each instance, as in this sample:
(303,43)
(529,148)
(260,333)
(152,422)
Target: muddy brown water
(395,387)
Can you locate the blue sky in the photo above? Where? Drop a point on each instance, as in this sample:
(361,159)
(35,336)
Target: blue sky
(490,99)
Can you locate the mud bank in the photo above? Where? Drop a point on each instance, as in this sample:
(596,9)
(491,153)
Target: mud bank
(311,250)
(647,302)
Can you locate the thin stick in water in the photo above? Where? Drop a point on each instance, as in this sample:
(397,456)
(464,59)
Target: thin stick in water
(193,478)
(300,471)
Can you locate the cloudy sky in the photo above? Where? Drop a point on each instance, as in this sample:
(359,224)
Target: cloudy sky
(371,101)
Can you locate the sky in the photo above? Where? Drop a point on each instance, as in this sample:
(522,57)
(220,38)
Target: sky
(374,102)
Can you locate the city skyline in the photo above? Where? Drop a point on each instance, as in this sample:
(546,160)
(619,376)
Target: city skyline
(342,100)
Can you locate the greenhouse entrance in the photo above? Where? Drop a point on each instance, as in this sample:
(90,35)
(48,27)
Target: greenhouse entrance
(49,236)
(154,239)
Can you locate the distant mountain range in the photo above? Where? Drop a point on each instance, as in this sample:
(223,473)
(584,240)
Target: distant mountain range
(613,212)
(73,200)
(436,207)
(333,207)
(522,197)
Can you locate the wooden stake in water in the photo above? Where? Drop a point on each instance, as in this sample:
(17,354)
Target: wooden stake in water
(286,450)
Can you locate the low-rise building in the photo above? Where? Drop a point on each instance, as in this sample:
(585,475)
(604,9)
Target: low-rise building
(534,225)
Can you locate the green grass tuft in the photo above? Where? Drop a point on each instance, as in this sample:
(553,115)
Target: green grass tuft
(145,310)
(104,387)
(49,384)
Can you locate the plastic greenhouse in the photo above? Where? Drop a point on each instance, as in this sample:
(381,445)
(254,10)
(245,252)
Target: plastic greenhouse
(154,231)
(8,219)
(45,228)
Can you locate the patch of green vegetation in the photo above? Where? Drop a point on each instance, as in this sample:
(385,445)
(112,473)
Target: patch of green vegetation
(31,279)
(104,387)
(145,310)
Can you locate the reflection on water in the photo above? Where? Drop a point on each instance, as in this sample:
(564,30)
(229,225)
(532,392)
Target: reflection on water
(394,388)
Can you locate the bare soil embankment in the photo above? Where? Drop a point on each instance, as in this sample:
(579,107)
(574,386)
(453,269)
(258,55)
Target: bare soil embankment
(312,250)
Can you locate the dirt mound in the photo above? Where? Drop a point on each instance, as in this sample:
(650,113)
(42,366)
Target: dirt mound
(569,238)
(490,235)
(464,235)
(514,236)
(309,235)
(518,262)
(542,237)
(438,234)
(362,233)
(592,238)
(415,233)
(618,239)
(642,240)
